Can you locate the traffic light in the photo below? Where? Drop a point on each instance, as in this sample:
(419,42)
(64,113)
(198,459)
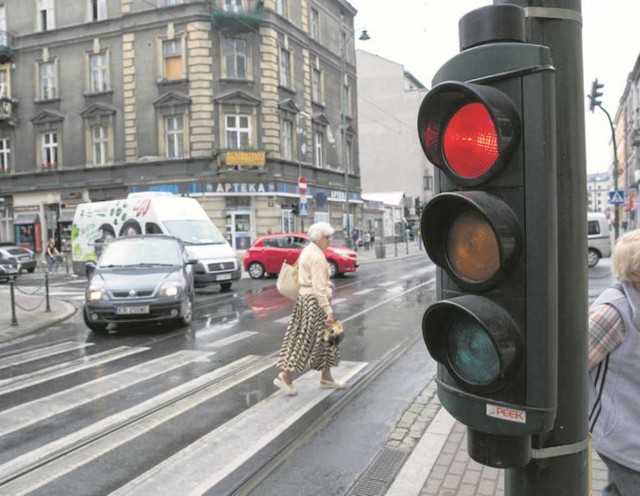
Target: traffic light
(595,94)
(488,125)
(294,209)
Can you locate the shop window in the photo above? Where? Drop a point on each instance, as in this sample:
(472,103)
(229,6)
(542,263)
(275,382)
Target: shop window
(5,155)
(235,57)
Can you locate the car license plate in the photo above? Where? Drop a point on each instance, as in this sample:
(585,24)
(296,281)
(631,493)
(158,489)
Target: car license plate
(223,277)
(132,310)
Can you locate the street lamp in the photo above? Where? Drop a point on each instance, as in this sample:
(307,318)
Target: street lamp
(364,36)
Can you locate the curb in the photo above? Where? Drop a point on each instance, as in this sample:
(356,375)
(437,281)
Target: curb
(9,332)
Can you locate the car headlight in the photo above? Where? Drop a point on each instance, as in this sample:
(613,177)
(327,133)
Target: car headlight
(96,292)
(342,253)
(169,288)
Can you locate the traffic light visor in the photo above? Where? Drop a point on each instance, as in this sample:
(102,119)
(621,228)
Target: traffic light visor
(468,130)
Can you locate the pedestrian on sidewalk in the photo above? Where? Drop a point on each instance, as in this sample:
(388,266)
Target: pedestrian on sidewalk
(304,347)
(51,255)
(367,241)
(614,370)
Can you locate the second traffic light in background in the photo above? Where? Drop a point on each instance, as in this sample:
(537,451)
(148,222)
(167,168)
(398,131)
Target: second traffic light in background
(295,209)
(594,96)
(488,125)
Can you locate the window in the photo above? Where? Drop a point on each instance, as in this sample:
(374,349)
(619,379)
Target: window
(316,81)
(99,73)
(48,81)
(168,3)
(174,136)
(172,53)
(285,67)
(318,149)
(281,7)
(235,56)
(233,5)
(49,149)
(287,140)
(5,154)
(314,24)
(238,131)
(97,10)
(46,17)
(100,144)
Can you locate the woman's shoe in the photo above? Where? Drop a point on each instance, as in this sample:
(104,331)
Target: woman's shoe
(325,384)
(288,389)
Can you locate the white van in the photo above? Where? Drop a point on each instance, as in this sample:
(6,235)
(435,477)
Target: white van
(94,224)
(598,238)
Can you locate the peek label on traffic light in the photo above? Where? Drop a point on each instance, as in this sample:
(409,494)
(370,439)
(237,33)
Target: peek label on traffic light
(508,414)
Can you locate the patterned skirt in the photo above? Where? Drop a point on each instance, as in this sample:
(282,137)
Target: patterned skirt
(303,347)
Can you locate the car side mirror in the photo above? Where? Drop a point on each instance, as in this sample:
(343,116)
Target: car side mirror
(192,261)
(89,269)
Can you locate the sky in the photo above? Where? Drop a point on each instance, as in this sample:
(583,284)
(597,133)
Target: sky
(422,35)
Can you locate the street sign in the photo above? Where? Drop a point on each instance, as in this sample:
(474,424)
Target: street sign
(303,210)
(302,185)
(616,197)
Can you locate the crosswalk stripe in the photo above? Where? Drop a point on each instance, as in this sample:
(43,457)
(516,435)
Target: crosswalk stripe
(45,351)
(385,284)
(34,411)
(189,395)
(337,301)
(203,464)
(231,339)
(364,291)
(66,368)
(283,320)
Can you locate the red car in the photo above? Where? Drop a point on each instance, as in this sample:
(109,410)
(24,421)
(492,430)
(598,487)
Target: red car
(269,252)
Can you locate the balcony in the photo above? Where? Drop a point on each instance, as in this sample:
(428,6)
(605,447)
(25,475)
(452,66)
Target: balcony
(235,17)
(6,47)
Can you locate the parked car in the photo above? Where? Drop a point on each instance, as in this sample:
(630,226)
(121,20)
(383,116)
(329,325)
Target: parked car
(598,238)
(268,253)
(20,254)
(8,268)
(140,279)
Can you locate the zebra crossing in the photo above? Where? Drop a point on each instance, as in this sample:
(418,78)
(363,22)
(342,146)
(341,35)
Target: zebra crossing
(196,466)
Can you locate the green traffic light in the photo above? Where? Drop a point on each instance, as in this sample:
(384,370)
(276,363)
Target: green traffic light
(472,353)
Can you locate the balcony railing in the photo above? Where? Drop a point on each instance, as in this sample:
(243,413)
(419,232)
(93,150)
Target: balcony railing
(233,16)
(6,47)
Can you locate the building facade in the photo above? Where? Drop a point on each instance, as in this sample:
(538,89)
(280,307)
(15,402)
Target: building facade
(598,187)
(391,157)
(228,101)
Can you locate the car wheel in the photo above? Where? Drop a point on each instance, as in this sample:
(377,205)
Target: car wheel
(256,270)
(225,286)
(30,271)
(593,257)
(333,269)
(98,328)
(187,316)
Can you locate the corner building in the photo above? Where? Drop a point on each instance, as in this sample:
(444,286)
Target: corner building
(227,101)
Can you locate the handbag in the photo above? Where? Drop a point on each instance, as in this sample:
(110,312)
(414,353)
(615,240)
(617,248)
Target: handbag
(333,336)
(287,283)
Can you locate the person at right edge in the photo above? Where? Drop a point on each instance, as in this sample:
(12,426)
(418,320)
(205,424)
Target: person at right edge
(614,370)
(304,347)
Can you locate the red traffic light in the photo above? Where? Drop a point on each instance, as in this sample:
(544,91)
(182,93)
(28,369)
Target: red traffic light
(468,130)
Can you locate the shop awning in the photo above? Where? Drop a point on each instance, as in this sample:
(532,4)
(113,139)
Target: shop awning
(66,217)
(22,219)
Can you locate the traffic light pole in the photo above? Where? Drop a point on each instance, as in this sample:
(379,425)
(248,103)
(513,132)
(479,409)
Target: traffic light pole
(560,462)
(616,208)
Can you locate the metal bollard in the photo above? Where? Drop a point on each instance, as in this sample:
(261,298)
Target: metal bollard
(14,320)
(46,290)
(407,246)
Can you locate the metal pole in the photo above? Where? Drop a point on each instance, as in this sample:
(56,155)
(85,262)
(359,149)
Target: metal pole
(616,208)
(561,466)
(407,246)
(14,320)
(46,290)
(395,244)
(343,135)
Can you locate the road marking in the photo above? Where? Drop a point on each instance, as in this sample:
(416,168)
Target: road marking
(364,291)
(407,276)
(283,320)
(47,351)
(29,413)
(164,406)
(199,467)
(337,301)
(385,284)
(62,369)
(231,339)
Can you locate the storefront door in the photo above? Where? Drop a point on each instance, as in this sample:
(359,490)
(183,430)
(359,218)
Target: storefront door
(238,229)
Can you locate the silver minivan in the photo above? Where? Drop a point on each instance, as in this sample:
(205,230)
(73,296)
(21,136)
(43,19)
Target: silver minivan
(598,236)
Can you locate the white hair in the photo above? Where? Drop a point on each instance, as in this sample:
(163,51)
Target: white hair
(320,230)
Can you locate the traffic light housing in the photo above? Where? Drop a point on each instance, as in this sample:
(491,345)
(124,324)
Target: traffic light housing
(295,210)
(488,125)
(595,94)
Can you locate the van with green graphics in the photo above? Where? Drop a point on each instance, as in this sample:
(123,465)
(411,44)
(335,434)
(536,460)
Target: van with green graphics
(598,238)
(95,224)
